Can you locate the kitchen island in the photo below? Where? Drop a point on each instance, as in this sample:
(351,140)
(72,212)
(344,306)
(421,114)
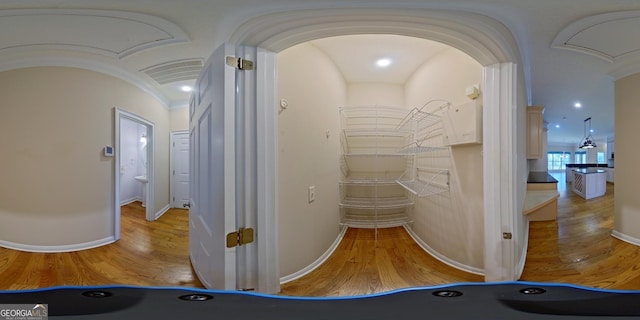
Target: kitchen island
(589,182)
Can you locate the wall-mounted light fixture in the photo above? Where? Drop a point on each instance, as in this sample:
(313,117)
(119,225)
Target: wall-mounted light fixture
(587,141)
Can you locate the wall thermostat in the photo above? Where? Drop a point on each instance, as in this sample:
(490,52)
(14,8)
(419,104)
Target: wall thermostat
(108,151)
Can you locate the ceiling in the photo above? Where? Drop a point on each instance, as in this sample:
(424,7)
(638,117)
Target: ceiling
(572,50)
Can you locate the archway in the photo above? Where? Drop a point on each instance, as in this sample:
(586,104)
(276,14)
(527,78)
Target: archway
(482,38)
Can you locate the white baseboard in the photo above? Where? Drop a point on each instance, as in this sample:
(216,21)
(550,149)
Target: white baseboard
(60,248)
(626,238)
(318,262)
(441,257)
(126,202)
(161,212)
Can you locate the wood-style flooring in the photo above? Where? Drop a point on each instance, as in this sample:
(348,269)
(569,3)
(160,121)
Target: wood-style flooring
(363,264)
(147,254)
(576,249)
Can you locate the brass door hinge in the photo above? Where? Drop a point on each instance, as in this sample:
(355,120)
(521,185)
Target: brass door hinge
(239,63)
(240,237)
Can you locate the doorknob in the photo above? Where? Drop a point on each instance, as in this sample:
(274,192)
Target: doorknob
(186,205)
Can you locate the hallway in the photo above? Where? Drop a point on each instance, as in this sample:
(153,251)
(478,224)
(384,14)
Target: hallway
(576,249)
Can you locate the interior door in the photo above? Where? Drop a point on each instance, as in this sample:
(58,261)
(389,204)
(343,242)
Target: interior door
(212,214)
(180,172)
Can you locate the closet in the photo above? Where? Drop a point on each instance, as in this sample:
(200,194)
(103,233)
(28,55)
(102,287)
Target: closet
(382,171)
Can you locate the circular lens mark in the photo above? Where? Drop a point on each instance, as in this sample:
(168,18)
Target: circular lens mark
(447,293)
(196,297)
(97,294)
(533,291)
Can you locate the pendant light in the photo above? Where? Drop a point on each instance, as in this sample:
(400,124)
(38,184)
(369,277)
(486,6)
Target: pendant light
(587,141)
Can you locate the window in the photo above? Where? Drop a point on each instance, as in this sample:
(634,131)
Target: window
(601,157)
(557,160)
(581,157)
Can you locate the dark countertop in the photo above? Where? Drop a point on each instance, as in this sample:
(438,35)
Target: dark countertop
(540,177)
(586,171)
(586,165)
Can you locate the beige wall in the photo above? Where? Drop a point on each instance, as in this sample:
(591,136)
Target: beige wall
(307,157)
(377,94)
(179,119)
(627,202)
(56,187)
(451,223)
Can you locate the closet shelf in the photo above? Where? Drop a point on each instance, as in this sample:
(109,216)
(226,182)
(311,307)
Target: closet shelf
(426,181)
(376,203)
(420,117)
(415,148)
(379,221)
(368,181)
(374,154)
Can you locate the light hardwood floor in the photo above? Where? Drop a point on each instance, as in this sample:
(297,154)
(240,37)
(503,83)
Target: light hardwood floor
(576,249)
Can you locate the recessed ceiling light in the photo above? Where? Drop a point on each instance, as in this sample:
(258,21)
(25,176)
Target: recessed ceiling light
(578,104)
(186,88)
(384,62)
(557,126)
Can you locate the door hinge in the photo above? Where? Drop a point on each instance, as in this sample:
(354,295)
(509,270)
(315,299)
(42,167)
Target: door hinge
(240,237)
(240,63)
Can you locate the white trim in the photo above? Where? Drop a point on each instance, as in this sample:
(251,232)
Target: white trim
(314,265)
(562,39)
(485,39)
(267,172)
(482,37)
(172,160)
(440,257)
(60,248)
(119,114)
(626,238)
(130,200)
(499,162)
(173,33)
(162,211)
(87,64)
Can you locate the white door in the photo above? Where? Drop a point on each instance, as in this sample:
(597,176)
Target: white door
(212,214)
(180,169)
(233,163)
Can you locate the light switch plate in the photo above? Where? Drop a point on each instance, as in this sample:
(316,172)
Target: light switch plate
(312,194)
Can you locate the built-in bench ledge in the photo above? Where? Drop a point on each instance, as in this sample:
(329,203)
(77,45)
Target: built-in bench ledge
(541,205)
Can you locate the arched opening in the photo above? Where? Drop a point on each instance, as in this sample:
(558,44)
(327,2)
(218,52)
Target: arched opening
(483,39)
(337,133)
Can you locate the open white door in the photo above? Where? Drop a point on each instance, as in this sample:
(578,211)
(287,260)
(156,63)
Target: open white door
(212,214)
(233,177)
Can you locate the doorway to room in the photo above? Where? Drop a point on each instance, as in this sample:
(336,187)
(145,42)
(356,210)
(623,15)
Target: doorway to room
(179,170)
(367,159)
(134,162)
(485,40)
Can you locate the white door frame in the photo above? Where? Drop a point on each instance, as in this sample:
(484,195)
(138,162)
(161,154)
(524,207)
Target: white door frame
(172,177)
(484,39)
(150,191)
